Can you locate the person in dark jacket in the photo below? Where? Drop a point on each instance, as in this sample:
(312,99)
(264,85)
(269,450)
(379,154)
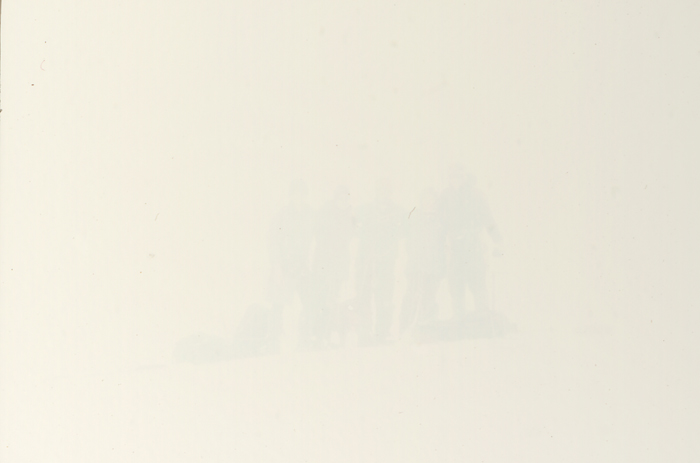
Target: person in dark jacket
(334,229)
(291,234)
(466,218)
(425,266)
(381,224)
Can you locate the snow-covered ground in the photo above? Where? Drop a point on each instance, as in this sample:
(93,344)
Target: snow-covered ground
(548,396)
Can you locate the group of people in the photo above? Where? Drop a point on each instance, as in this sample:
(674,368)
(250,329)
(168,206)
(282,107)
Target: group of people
(310,254)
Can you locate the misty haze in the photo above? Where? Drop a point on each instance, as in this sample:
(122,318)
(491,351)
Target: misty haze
(349,232)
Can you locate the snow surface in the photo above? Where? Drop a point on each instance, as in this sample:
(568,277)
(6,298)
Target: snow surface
(529,396)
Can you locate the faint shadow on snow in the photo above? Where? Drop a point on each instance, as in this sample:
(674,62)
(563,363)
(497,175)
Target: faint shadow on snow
(476,325)
(252,339)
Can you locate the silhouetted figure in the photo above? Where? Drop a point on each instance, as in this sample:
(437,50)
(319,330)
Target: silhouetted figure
(291,234)
(425,267)
(381,224)
(334,229)
(466,215)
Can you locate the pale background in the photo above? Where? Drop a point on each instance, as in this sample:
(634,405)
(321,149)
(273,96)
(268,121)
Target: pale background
(146,144)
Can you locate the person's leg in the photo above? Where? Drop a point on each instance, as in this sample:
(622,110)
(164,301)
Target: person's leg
(275,323)
(477,285)
(280,293)
(331,309)
(321,313)
(457,280)
(429,306)
(302,291)
(383,297)
(409,305)
(363,301)
(328,298)
(313,301)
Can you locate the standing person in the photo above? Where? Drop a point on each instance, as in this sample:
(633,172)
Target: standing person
(466,216)
(425,268)
(291,234)
(381,224)
(334,229)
